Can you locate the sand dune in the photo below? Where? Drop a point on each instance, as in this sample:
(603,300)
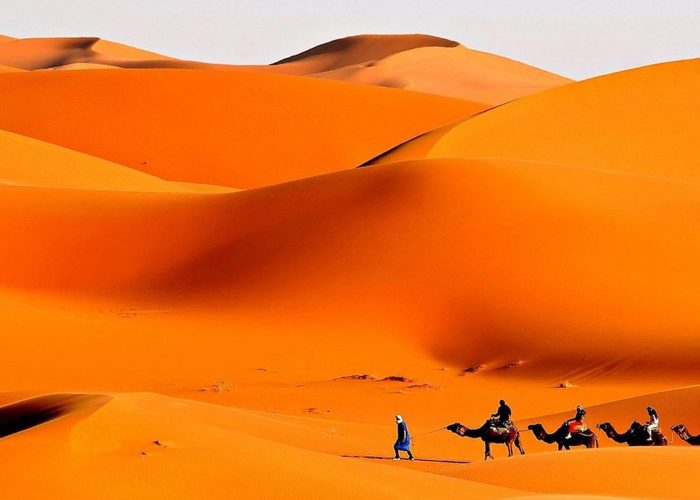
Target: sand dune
(415,62)
(201,296)
(355,50)
(607,122)
(89,53)
(283,129)
(488,217)
(41,53)
(53,53)
(198,447)
(28,162)
(125,52)
(421,63)
(455,72)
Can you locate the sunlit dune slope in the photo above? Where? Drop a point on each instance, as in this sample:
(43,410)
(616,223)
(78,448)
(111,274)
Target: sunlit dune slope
(28,162)
(526,252)
(641,121)
(240,129)
(354,50)
(452,71)
(149,446)
(125,52)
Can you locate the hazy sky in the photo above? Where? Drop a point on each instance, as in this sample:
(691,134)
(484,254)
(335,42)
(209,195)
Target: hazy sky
(576,38)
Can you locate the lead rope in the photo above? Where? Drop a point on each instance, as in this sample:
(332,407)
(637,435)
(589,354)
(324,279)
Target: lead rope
(429,432)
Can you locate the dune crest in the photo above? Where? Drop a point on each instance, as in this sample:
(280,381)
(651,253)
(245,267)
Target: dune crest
(356,49)
(421,63)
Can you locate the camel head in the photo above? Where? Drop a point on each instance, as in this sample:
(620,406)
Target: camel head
(606,427)
(537,430)
(457,428)
(680,429)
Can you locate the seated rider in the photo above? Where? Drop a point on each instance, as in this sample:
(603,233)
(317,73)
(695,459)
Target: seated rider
(576,424)
(502,415)
(653,424)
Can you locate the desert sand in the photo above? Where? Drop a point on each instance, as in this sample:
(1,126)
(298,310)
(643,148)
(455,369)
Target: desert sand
(224,281)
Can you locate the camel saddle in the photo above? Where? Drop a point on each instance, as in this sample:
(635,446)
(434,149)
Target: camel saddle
(578,427)
(498,429)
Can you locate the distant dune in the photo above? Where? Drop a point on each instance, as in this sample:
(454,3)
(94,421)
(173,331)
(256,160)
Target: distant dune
(422,63)
(355,50)
(415,62)
(195,126)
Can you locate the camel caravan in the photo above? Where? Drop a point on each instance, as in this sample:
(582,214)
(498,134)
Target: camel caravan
(500,429)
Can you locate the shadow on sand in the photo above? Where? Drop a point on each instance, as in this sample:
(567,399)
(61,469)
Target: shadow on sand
(23,415)
(376,457)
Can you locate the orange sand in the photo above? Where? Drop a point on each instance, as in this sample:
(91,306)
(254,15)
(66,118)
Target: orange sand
(202,297)
(426,64)
(204,131)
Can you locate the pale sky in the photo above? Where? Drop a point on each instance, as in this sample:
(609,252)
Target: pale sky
(575,38)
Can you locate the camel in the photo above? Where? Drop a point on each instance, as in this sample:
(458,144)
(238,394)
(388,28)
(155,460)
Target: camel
(636,435)
(685,435)
(489,433)
(587,438)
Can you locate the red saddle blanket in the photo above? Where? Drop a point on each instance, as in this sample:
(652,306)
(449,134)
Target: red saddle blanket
(577,427)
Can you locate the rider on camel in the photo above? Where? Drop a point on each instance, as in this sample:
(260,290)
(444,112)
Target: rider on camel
(653,424)
(576,424)
(502,416)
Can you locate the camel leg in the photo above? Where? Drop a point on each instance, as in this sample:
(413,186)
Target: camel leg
(509,445)
(520,448)
(487,450)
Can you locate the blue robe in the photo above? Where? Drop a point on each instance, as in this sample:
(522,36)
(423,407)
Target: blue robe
(402,430)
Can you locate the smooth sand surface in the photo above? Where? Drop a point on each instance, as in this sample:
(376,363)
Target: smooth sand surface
(636,121)
(421,63)
(239,129)
(203,297)
(452,71)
